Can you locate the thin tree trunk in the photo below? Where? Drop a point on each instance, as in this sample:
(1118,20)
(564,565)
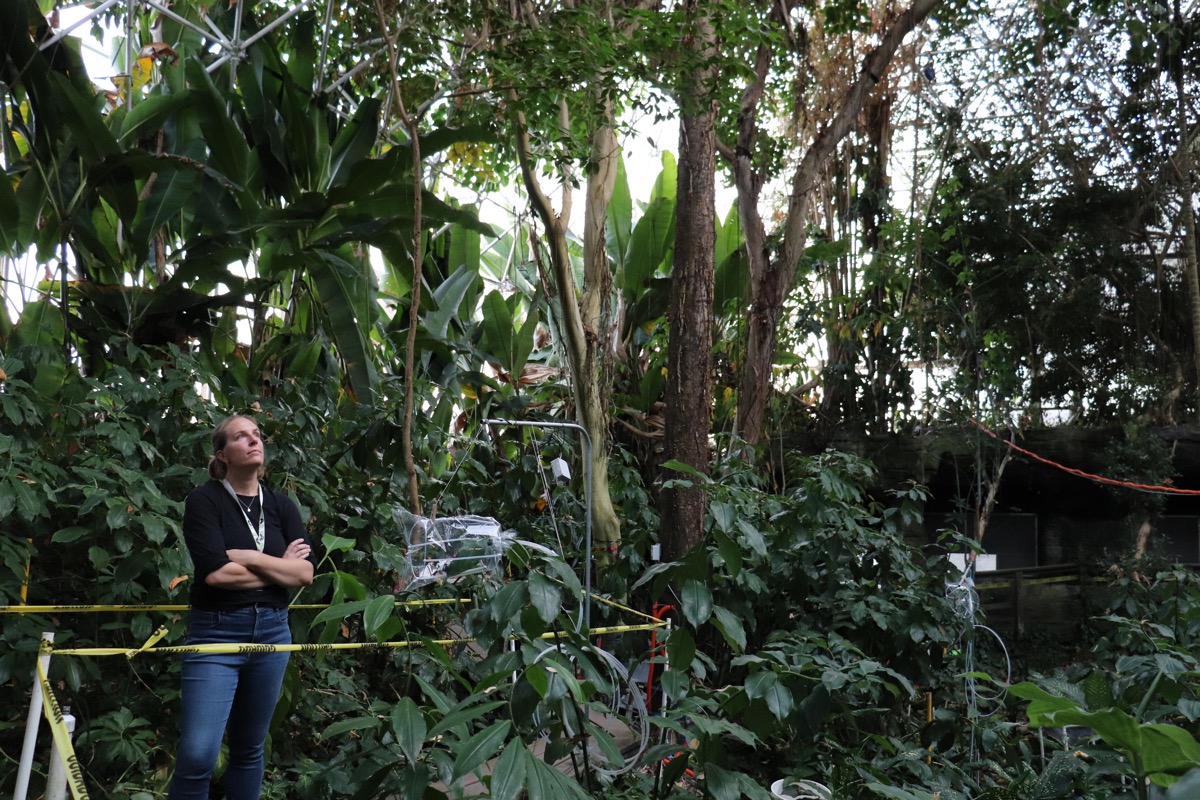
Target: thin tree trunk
(596,305)
(1184,165)
(583,318)
(418,251)
(772,278)
(689,351)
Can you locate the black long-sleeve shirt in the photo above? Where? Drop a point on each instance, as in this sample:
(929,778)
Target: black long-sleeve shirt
(213,523)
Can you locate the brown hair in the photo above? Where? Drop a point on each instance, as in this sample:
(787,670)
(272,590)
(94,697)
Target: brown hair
(217,468)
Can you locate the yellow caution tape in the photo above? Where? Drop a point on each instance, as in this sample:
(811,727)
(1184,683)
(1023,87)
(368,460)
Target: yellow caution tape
(614,604)
(311,648)
(62,737)
(84,609)
(154,637)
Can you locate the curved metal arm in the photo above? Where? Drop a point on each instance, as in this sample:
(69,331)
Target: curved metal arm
(586,610)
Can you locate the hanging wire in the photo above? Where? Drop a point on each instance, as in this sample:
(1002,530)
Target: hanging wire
(468,448)
(964,601)
(537,450)
(626,703)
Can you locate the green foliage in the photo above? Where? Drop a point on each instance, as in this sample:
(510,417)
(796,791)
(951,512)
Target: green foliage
(1134,707)
(1042,282)
(95,477)
(808,623)
(1140,457)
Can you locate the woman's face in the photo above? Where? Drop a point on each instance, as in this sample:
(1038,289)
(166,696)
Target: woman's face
(243,445)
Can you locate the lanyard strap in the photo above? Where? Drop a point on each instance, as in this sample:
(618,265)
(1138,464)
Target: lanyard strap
(259,533)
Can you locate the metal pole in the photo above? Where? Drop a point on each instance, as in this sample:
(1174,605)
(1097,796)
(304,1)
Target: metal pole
(56,781)
(89,16)
(25,767)
(587,484)
(131,28)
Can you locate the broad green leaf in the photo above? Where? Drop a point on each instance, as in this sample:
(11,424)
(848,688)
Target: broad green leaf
(544,782)
(88,131)
(609,750)
(448,297)
(152,113)
(681,649)
(1187,788)
(464,249)
(332,543)
(508,776)
(650,247)
(1097,693)
(563,673)
(619,217)
(545,596)
(674,684)
(174,189)
(346,725)
(691,472)
(465,713)
(479,748)
(346,585)
(730,552)
(731,280)
(498,330)
(378,611)
(227,145)
(347,292)
(721,784)
(523,343)
(724,515)
(697,602)
(759,683)
(1167,750)
(730,626)
(340,611)
(505,606)
(779,700)
(67,535)
(408,726)
(354,141)
(539,679)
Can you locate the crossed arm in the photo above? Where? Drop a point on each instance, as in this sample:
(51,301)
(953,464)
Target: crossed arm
(250,569)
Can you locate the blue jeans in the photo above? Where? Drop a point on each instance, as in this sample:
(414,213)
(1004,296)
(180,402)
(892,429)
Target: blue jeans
(233,690)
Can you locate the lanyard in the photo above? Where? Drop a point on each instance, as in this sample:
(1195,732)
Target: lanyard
(259,533)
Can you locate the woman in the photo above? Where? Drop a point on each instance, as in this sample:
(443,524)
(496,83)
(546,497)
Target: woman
(248,547)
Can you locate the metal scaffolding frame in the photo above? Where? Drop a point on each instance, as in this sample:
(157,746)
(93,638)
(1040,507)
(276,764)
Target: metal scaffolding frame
(233,46)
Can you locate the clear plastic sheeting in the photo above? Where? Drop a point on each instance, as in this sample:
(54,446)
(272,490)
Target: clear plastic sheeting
(448,549)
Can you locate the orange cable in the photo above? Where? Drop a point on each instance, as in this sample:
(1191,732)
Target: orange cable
(1141,487)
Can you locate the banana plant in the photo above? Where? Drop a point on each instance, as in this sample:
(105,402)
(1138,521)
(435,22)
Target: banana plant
(1153,753)
(198,186)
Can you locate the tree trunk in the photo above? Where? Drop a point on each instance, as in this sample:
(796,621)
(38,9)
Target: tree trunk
(1187,189)
(582,319)
(596,305)
(773,277)
(689,351)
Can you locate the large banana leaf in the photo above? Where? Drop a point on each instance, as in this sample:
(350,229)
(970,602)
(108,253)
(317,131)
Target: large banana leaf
(502,342)
(732,279)
(348,296)
(652,241)
(620,219)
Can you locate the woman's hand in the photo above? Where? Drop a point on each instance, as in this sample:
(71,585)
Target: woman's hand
(297,548)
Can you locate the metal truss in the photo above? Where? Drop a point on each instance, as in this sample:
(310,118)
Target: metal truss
(235,45)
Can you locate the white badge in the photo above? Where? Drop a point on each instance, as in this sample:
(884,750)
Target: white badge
(260,532)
